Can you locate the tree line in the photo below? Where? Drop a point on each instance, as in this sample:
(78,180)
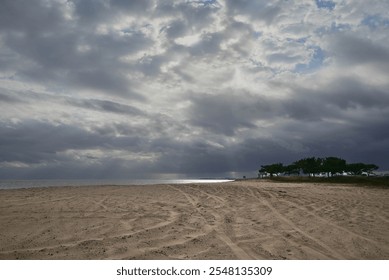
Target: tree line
(314,165)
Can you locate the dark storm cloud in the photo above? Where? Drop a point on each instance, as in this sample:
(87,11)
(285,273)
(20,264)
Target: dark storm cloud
(350,93)
(353,140)
(226,114)
(208,160)
(311,122)
(32,142)
(333,100)
(36,142)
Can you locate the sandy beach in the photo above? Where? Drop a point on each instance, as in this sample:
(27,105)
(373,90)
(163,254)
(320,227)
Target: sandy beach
(235,220)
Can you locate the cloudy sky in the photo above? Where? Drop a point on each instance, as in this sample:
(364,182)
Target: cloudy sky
(165,89)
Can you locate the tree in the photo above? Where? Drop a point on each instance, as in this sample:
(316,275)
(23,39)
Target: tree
(313,165)
(332,165)
(355,168)
(292,169)
(359,168)
(272,168)
(309,165)
(369,168)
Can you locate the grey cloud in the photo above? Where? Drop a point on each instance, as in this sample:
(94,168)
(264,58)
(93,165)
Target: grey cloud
(53,53)
(106,106)
(37,142)
(112,45)
(59,61)
(334,99)
(257,151)
(208,45)
(355,50)
(351,140)
(225,114)
(281,57)
(134,6)
(231,111)
(92,11)
(349,93)
(104,80)
(257,10)
(151,65)
(176,28)
(36,16)
(304,109)
(8,98)
(371,129)
(345,93)
(33,142)
(196,14)
(236,29)
(99,105)
(244,156)
(115,169)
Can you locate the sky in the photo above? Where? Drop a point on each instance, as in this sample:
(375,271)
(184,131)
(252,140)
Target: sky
(184,89)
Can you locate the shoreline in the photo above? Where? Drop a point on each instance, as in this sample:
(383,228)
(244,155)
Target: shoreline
(243,219)
(39,183)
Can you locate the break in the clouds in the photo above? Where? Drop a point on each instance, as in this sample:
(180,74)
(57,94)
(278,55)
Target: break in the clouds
(144,88)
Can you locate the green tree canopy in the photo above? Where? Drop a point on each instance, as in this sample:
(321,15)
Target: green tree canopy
(359,168)
(313,165)
(355,168)
(292,169)
(309,165)
(333,165)
(272,168)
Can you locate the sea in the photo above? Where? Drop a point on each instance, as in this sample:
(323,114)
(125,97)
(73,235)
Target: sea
(20,184)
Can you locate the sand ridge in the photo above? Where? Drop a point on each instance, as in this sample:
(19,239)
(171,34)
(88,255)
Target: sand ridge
(235,220)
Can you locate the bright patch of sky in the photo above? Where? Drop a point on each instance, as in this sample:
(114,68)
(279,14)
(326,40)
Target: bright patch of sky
(375,21)
(333,28)
(315,63)
(212,3)
(325,4)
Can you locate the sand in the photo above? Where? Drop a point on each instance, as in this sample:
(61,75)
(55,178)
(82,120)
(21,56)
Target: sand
(235,220)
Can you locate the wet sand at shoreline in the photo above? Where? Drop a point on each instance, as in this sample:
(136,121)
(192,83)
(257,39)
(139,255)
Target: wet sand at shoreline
(235,220)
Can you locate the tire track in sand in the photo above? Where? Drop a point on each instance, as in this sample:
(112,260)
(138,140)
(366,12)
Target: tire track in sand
(329,252)
(172,218)
(238,251)
(325,221)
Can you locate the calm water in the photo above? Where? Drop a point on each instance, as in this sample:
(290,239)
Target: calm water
(18,184)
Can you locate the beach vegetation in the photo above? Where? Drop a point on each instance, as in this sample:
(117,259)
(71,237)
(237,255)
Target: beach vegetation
(359,180)
(318,167)
(272,169)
